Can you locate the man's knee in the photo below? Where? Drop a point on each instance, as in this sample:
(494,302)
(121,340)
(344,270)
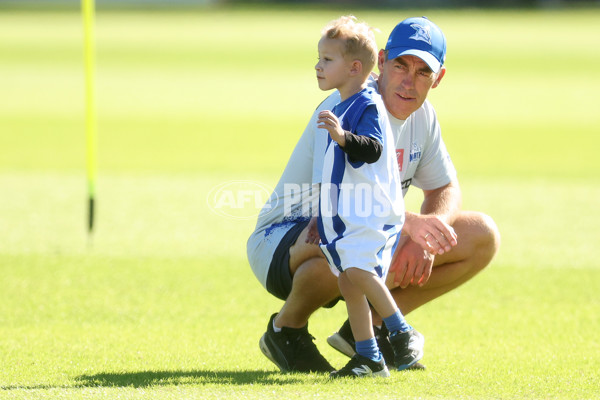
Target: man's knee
(300,252)
(315,269)
(484,235)
(490,234)
(315,282)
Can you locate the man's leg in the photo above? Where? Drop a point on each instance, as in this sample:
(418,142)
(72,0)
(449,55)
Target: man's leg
(478,242)
(287,341)
(313,284)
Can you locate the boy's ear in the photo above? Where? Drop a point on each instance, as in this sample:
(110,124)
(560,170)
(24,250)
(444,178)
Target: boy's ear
(356,67)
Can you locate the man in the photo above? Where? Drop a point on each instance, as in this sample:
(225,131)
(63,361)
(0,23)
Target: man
(428,261)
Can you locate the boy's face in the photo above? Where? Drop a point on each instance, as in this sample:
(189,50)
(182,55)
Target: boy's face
(333,70)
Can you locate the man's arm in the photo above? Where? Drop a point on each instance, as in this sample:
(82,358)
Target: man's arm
(438,211)
(429,233)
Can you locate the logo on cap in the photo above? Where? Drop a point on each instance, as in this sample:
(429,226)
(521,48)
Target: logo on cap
(421,33)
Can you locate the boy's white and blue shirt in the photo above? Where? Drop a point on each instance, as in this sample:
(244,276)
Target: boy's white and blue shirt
(361,209)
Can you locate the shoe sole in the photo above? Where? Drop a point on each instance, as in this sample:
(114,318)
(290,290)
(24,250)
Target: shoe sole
(262,343)
(337,342)
(409,365)
(384,373)
(417,367)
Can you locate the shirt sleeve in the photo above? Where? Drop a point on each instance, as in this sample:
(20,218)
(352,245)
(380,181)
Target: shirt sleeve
(366,144)
(362,148)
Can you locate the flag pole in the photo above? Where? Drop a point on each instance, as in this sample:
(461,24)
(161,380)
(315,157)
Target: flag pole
(88,13)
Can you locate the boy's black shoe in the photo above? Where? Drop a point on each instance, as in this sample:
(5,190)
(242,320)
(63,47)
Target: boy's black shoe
(360,366)
(343,341)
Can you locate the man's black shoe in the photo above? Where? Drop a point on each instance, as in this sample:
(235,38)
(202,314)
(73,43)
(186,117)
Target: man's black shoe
(408,348)
(293,350)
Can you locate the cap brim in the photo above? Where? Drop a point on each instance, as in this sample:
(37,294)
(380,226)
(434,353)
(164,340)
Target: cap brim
(430,60)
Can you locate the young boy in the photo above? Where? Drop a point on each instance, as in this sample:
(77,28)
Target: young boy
(361,209)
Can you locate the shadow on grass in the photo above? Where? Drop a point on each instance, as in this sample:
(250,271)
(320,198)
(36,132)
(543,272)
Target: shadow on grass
(200,377)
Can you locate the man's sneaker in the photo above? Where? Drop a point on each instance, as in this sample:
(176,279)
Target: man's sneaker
(408,348)
(293,350)
(360,366)
(343,340)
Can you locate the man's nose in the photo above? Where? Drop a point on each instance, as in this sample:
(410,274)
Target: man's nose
(408,81)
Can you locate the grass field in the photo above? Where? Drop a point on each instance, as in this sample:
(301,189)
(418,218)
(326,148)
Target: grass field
(162,304)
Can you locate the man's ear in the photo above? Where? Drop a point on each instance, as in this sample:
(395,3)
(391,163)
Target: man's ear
(381,60)
(439,77)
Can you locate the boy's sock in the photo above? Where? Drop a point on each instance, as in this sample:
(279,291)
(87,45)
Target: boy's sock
(396,323)
(368,348)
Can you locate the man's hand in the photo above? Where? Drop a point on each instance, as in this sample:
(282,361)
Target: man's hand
(428,235)
(327,120)
(431,233)
(411,265)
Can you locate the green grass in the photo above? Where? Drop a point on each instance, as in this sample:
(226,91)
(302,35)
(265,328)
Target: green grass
(161,304)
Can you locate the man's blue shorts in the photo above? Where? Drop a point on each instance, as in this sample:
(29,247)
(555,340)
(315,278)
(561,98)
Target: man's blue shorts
(279,278)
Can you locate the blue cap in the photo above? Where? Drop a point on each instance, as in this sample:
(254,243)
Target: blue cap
(418,37)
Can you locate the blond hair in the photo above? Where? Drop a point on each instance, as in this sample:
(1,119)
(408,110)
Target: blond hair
(358,37)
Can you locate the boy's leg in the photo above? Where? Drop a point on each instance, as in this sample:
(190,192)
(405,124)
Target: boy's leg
(406,342)
(359,312)
(368,360)
(374,289)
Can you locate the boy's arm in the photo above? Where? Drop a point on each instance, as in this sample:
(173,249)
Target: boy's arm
(362,148)
(359,148)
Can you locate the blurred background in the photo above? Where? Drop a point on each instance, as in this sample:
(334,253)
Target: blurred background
(192,95)
(346,3)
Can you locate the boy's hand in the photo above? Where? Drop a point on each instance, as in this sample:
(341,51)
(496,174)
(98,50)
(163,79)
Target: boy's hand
(327,120)
(312,236)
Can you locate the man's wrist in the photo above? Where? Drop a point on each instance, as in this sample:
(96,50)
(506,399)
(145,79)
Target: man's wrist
(409,218)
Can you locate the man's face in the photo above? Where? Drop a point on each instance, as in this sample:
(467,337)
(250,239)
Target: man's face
(404,83)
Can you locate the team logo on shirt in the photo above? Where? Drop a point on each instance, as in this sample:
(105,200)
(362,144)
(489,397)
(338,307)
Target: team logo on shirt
(400,158)
(415,153)
(421,33)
